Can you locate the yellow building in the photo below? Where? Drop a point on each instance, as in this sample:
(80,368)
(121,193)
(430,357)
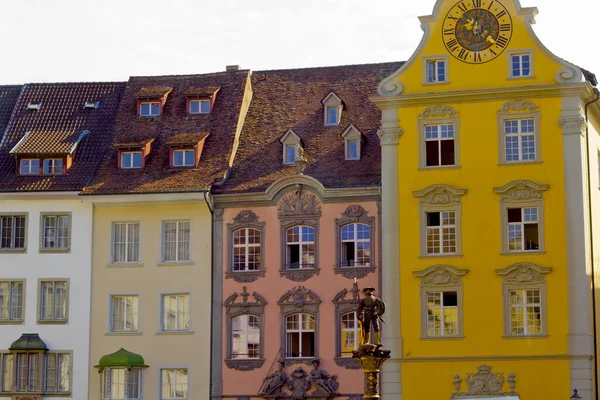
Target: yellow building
(490,171)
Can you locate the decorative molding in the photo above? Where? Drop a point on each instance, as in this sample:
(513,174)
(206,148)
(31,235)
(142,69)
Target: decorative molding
(354,214)
(520,191)
(483,383)
(389,136)
(524,273)
(518,106)
(244,276)
(299,203)
(298,298)
(299,275)
(354,272)
(218,214)
(246,217)
(440,194)
(245,306)
(347,362)
(294,361)
(575,124)
(244,364)
(440,275)
(438,112)
(569,74)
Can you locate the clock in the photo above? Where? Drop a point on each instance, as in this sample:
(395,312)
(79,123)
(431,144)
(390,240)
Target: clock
(477,31)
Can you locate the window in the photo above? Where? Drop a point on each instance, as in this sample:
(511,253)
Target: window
(352,150)
(436,71)
(523,229)
(23,372)
(349,330)
(121,384)
(12,232)
(173,383)
(150,109)
(8,372)
(519,140)
(124,317)
(176,241)
(126,242)
(245,336)
(521,65)
(55,232)
(332,116)
(439,145)
(246,250)
(184,158)
(332,106)
(524,290)
(291,142)
(300,336)
(199,106)
(176,312)
(300,242)
(53,166)
(441,301)
(12,297)
(356,245)
(53,301)
(291,151)
(352,140)
(441,232)
(29,166)
(28,372)
(57,377)
(132,159)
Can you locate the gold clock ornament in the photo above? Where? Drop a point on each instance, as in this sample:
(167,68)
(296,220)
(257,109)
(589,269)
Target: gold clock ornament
(477,31)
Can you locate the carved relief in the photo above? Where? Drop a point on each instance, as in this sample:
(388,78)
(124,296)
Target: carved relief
(524,273)
(521,190)
(484,383)
(518,106)
(218,214)
(574,124)
(439,275)
(389,136)
(298,383)
(299,203)
(299,297)
(245,217)
(230,302)
(325,384)
(354,212)
(438,111)
(440,194)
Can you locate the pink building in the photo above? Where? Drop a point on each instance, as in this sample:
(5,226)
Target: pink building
(296,221)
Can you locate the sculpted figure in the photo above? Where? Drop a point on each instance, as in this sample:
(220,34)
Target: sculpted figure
(322,380)
(370,310)
(278,379)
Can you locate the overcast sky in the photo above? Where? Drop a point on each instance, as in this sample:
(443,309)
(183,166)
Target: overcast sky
(98,40)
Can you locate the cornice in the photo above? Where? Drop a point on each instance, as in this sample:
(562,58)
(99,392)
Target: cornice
(150,198)
(48,195)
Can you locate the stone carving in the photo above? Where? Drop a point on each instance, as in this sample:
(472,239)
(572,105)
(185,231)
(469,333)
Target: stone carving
(324,383)
(231,300)
(524,273)
(574,124)
(440,194)
(299,275)
(440,275)
(299,297)
(245,217)
(244,276)
(244,364)
(512,381)
(340,297)
(301,161)
(389,136)
(218,214)
(354,272)
(347,362)
(298,383)
(438,111)
(570,74)
(483,383)
(518,106)
(276,381)
(354,213)
(299,203)
(521,190)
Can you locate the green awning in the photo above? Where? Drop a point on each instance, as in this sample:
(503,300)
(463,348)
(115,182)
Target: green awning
(123,359)
(28,342)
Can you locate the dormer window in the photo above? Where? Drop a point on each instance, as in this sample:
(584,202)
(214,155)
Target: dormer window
(53,166)
(199,106)
(132,155)
(352,141)
(132,159)
(34,105)
(186,149)
(291,142)
(29,166)
(291,151)
(184,158)
(333,109)
(91,105)
(150,109)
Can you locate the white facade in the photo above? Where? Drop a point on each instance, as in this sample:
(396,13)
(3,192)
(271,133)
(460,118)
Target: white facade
(73,265)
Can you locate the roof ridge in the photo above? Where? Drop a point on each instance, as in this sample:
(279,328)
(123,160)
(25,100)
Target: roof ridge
(330,67)
(76,83)
(190,75)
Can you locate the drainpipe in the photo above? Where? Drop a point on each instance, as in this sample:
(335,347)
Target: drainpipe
(590,227)
(212,297)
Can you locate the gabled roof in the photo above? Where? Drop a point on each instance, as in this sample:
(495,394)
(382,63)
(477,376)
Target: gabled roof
(153,92)
(291,100)
(201,91)
(56,127)
(187,139)
(158,176)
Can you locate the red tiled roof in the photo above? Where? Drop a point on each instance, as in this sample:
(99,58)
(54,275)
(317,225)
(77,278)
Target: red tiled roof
(48,142)
(291,99)
(8,98)
(157,175)
(133,142)
(187,139)
(62,111)
(153,92)
(202,92)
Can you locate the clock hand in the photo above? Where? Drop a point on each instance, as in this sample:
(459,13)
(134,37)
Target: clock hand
(490,39)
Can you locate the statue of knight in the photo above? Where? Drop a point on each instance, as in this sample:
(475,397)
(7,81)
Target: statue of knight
(370,310)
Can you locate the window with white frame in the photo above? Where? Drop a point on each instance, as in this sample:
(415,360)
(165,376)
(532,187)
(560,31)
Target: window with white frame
(132,159)
(53,166)
(332,115)
(12,232)
(12,295)
(523,229)
(291,152)
(199,106)
(173,383)
(55,232)
(176,241)
(121,384)
(520,65)
(350,332)
(332,106)
(300,336)
(57,376)
(356,245)
(352,150)
(246,250)
(300,245)
(439,145)
(436,71)
(291,143)
(245,336)
(29,166)
(176,312)
(442,314)
(124,313)
(49,373)
(525,307)
(441,232)
(54,301)
(126,242)
(150,109)
(184,158)
(519,140)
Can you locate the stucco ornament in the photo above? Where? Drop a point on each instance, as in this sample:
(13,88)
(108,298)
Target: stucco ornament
(518,106)
(440,275)
(521,190)
(389,136)
(524,273)
(324,383)
(438,112)
(273,383)
(440,194)
(245,217)
(298,383)
(299,203)
(573,124)
(484,383)
(301,161)
(231,300)
(299,297)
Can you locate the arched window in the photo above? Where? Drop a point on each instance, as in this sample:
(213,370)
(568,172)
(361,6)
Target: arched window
(356,245)
(300,336)
(349,331)
(246,250)
(245,336)
(300,247)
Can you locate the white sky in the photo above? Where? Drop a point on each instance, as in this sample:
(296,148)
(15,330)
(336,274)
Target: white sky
(98,40)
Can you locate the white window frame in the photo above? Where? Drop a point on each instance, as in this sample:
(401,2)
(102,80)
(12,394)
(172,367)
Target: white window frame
(30,166)
(54,299)
(439,230)
(438,121)
(245,341)
(161,382)
(356,241)
(435,60)
(521,137)
(58,367)
(520,53)
(52,166)
(184,151)
(288,140)
(519,110)
(135,314)
(12,218)
(107,384)
(300,244)
(352,135)
(200,102)
(150,115)
(332,102)
(300,331)
(132,153)
(179,297)
(355,332)
(54,236)
(177,258)
(526,219)
(328,113)
(286,149)
(246,246)
(127,243)
(16,312)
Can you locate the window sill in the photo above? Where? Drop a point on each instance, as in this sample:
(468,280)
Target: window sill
(519,78)
(12,321)
(124,333)
(161,333)
(176,264)
(299,275)
(426,256)
(245,276)
(510,337)
(354,272)
(441,167)
(347,362)
(246,364)
(17,251)
(55,251)
(125,265)
(52,322)
(436,83)
(303,360)
(522,253)
(427,338)
(517,163)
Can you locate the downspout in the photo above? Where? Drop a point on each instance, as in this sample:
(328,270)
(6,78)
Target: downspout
(212,297)
(590,227)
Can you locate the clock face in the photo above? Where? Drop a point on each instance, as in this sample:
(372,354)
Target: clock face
(477,31)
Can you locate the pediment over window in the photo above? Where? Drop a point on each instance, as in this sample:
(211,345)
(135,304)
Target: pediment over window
(440,194)
(234,306)
(299,297)
(290,137)
(518,106)
(439,275)
(525,273)
(521,190)
(299,203)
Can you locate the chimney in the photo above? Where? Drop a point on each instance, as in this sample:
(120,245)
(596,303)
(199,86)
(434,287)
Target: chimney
(230,68)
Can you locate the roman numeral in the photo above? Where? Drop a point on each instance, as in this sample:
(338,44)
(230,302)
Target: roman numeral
(462,7)
(493,52)
(477,57)
(463,54)
(448,31)
(505,28)
(452,44)
(501,41)
(501,14)
(476,3)
(451,17)
(490,6)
